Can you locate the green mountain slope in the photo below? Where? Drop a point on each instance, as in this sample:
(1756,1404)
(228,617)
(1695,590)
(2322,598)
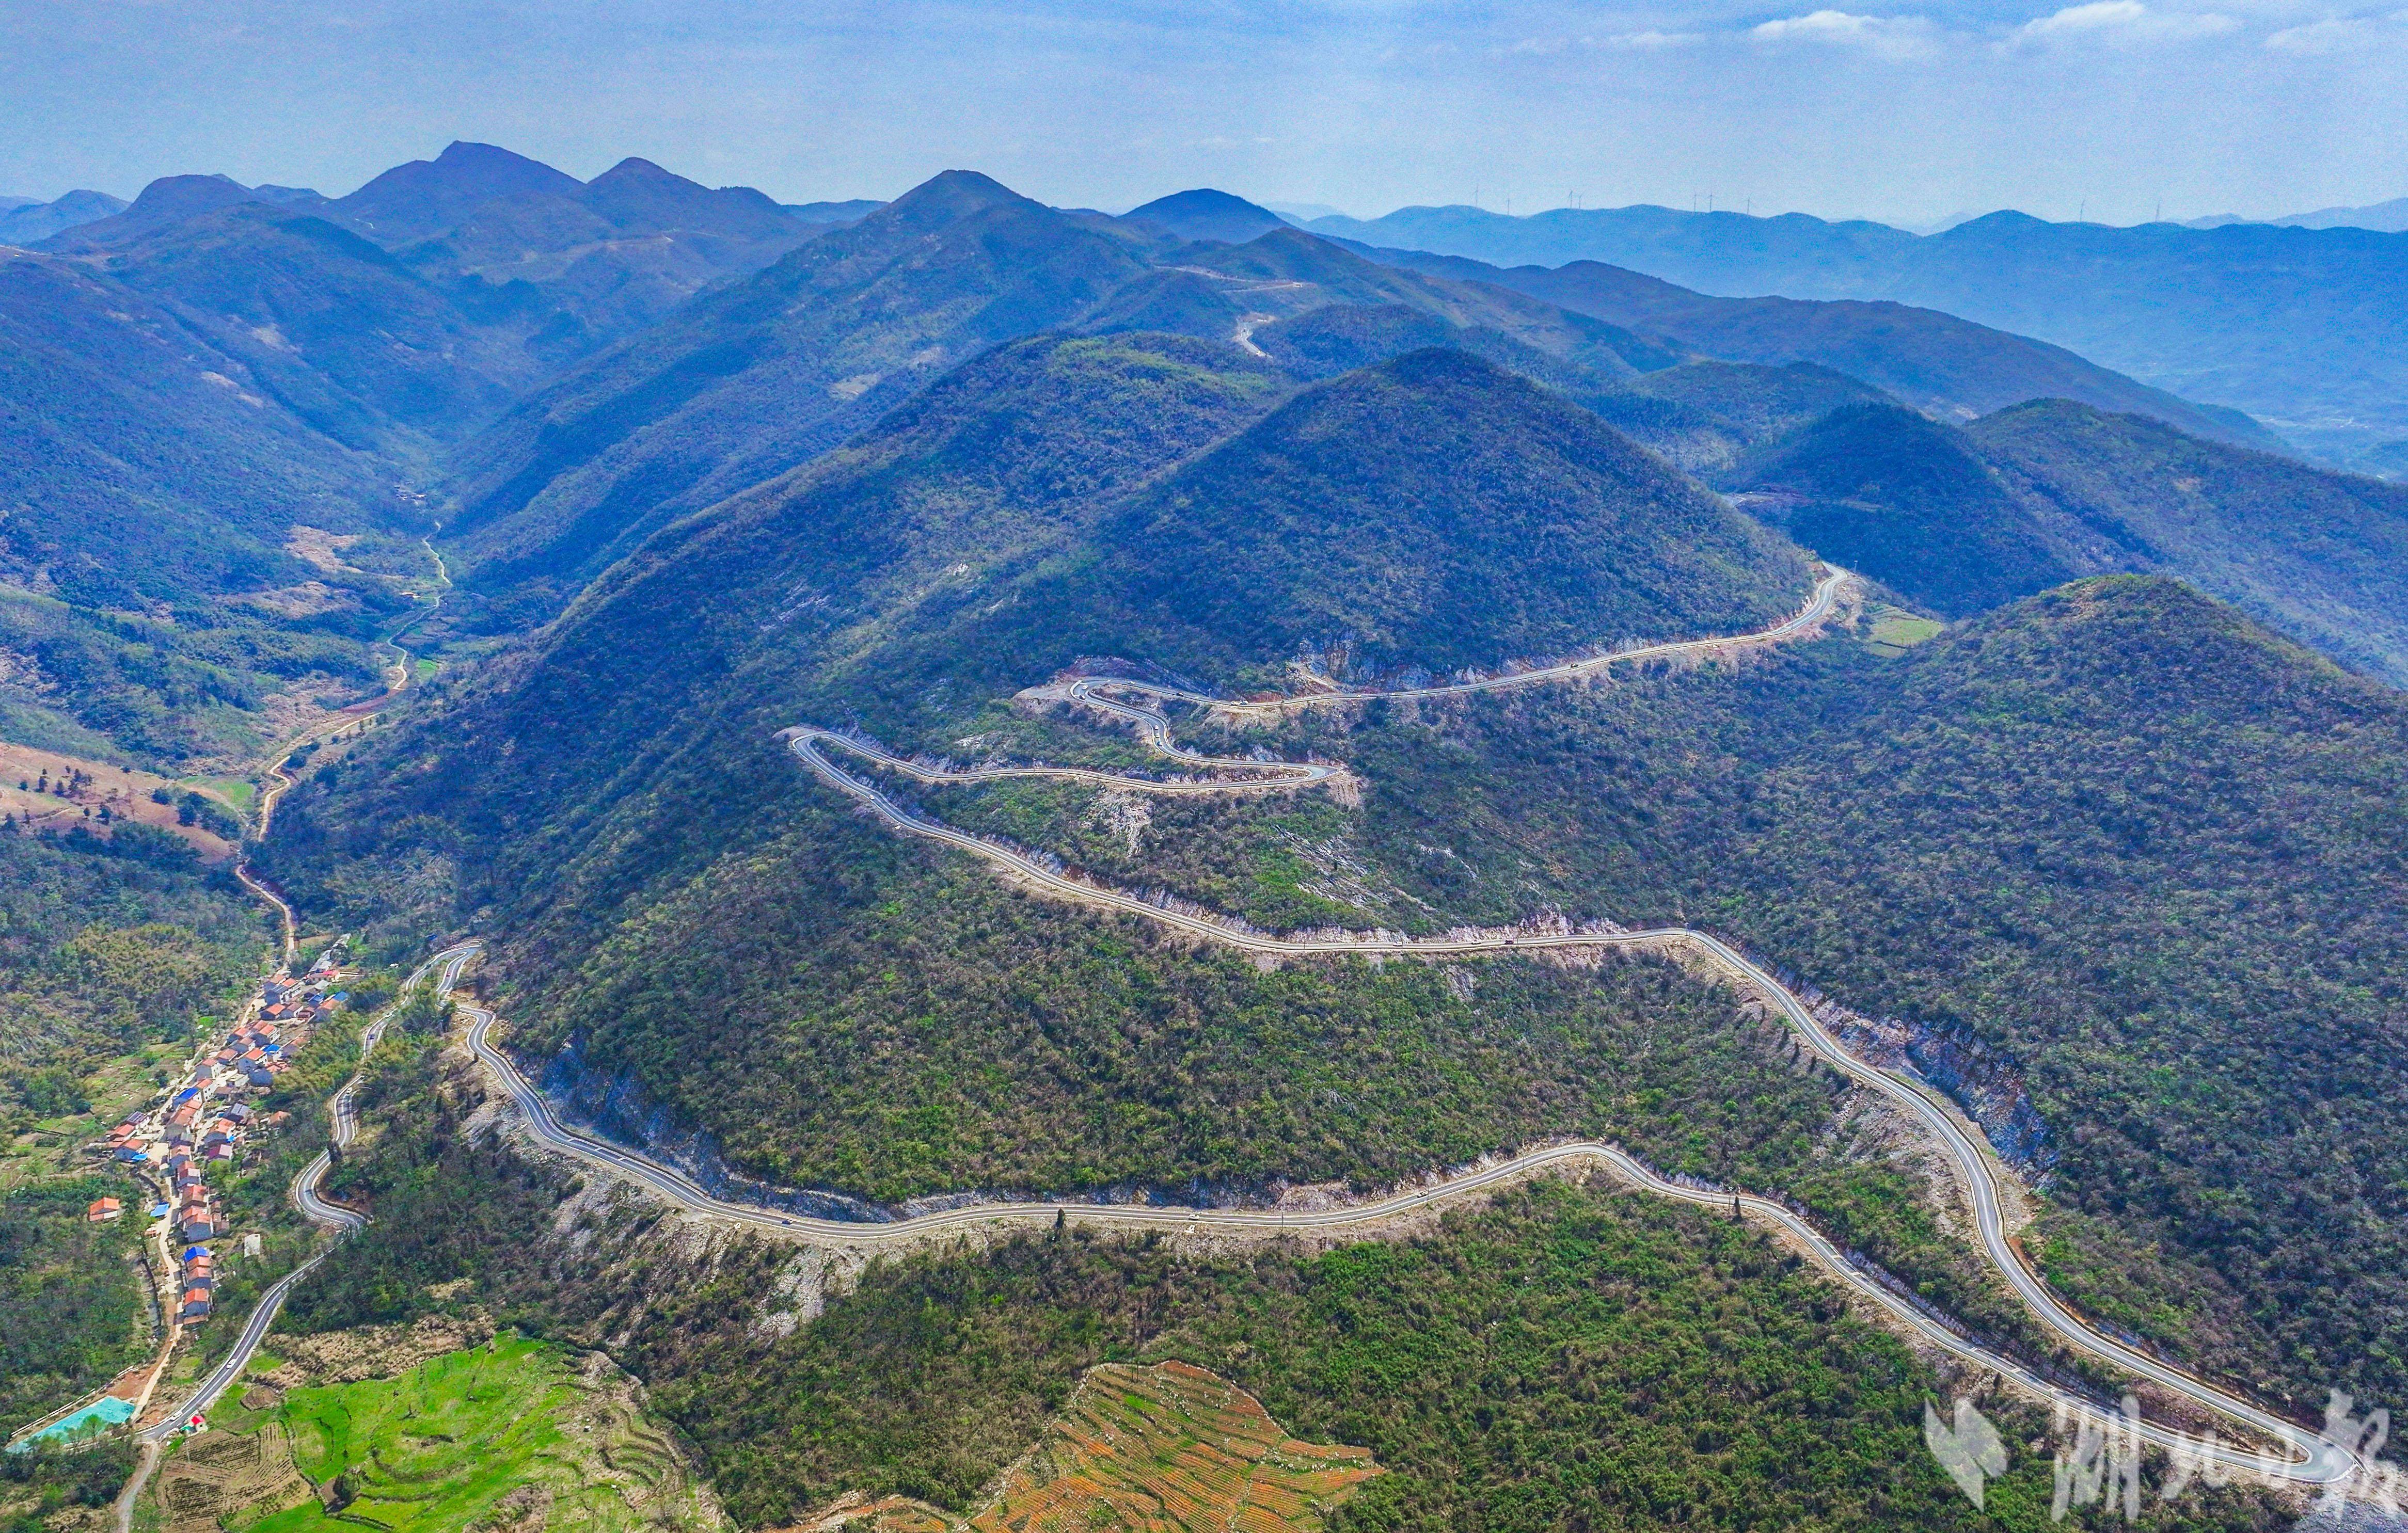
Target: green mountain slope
(762,376)
(141,461)
(1898,497)
(1936,361)
(1697,414)
(2321,556)
(2116,830)
(1432,511)
(1963,521)
(765,375)
(2299,326)
(348,338)
(702,641)
(1663,1363)
(985,537)
(1287,272)
(1701,415)
(150,486)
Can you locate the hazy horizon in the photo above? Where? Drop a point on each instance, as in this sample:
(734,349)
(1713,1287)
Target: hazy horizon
(1293,209)
(2108,109)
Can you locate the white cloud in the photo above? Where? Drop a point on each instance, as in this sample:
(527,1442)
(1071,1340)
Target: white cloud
(2340,34)
(1650,40)
(2095,17)
(1887,36)
(2123,21)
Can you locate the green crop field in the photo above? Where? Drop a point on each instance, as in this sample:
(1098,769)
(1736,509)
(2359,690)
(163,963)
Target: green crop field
(491,1431)
(1895,630)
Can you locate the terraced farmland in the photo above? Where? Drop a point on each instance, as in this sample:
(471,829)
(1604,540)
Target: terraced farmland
(513,1434)
(1168,1449)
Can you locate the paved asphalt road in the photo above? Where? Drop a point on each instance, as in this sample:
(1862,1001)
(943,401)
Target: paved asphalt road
(342,1220)
(2313,1459)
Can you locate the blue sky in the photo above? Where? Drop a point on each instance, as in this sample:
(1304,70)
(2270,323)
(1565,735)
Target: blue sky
(1904,112)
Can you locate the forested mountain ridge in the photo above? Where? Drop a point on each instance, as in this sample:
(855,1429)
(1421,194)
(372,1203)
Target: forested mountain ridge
(2136,851)
(963,487)
(1746,802)
(1794,804)
(1285,273)
(596,258)
(2320,556)
(1934,360)
(987,535)
(1433,513)
(145,460)
(761,375)
(364,348)
(2298,326)
(1908,501)
(151,486)
(2038,493)
(758,377)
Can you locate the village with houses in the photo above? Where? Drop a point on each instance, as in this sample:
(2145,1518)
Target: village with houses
(200,1127)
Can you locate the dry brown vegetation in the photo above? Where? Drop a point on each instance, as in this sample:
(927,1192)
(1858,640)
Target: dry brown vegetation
(126,792)
(1172,1448)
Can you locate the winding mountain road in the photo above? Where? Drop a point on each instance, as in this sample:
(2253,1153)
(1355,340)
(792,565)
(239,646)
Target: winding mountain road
(2307,1457)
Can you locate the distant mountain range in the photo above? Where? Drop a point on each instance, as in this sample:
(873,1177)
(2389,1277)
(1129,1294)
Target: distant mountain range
(1935,362)
(2295,322)
(2388,218)
(611,254)
(551,371)
(25,221)
(2302,327)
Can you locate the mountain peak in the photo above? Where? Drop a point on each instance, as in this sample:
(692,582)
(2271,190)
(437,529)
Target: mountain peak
(426,196)
(1204,213)
(176,196)
(499,169)
(946,197)
(634,168)
(638,194)
(166,200)
(1435,510)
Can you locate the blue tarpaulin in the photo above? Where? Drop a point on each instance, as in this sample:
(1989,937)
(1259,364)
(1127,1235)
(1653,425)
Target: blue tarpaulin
(108,1411)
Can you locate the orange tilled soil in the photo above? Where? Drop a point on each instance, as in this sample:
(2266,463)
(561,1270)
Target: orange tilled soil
(1168,1449)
